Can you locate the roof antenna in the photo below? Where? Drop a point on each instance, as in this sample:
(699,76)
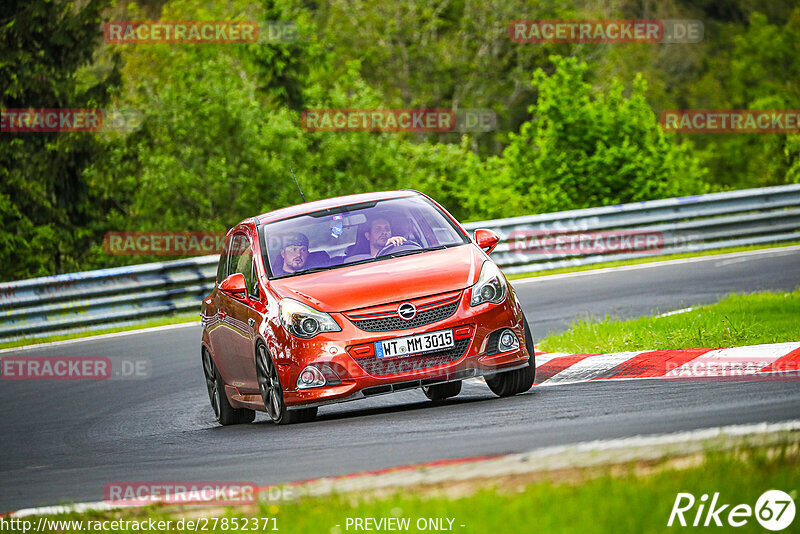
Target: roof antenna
(298,185)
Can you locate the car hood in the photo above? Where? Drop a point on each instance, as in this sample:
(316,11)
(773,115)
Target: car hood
(385,281)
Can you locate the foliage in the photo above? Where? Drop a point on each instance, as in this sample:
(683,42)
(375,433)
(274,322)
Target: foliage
(46,205)
(221,123)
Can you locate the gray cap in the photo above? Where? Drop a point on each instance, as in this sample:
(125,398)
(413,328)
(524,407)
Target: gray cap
(294,239)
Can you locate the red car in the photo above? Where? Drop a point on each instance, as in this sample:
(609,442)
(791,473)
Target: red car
(355,296)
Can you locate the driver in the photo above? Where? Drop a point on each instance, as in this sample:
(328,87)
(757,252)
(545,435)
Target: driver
(379,236)
(294,253)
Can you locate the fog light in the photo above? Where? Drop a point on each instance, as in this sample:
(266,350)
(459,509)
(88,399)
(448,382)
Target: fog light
(316,375)
(310,377)
(508,341)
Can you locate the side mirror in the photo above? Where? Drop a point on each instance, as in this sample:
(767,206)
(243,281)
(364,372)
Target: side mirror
(235,286)
(486,239)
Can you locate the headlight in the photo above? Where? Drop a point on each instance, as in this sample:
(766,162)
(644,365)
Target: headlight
(304,321)
(491,285)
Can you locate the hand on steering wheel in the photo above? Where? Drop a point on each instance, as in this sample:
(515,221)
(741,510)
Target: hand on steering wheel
(397,241)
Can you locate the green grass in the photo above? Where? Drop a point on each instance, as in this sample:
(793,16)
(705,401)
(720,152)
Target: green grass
(634,497)
(735,321)
(160,321)
(650,259)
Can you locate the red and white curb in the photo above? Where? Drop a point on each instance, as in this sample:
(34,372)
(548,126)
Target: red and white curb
(772,361)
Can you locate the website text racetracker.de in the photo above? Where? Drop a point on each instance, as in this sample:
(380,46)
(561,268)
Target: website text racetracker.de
(201,524)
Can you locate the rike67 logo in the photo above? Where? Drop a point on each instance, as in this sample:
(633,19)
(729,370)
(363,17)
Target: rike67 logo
(774,510)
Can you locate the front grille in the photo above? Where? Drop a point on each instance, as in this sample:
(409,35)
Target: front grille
(391,366)
(396,323)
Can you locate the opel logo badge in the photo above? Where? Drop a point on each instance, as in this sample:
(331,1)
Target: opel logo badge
(407,311)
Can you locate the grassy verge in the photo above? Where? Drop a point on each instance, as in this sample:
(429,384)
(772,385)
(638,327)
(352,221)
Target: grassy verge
(160,321)
(650,259)
(735,321)
(632,497)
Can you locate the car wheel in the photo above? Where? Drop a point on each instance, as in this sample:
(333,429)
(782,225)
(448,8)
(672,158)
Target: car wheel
(517,381)
(442,391)
(272,393)
(223,411)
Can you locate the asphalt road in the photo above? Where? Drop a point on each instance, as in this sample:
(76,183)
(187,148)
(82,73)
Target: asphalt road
(64,441)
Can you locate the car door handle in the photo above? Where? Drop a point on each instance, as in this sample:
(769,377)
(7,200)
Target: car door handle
(251,321)
(222,314)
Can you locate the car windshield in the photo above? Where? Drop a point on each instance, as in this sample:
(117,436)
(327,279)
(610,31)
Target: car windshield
(357,233)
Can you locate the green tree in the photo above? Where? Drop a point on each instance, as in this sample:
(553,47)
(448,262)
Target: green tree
(586,148)
(46,205)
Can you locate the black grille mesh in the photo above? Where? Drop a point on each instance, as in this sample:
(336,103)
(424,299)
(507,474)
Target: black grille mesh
(396,323)
(492,344)
(377,367)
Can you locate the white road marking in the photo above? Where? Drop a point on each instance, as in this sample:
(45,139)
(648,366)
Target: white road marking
(676,312)
(101,336)
(655,264)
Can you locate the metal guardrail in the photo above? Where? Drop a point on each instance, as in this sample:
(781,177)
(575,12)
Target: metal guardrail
(113,297)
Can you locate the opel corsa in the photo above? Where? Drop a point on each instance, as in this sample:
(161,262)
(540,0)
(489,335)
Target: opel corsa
(356,296)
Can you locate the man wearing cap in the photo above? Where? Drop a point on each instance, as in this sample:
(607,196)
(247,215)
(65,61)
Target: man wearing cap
(294,252)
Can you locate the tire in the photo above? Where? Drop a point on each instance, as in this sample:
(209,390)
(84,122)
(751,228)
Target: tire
(224,413)
(440,392)
(272,393)
(517,381)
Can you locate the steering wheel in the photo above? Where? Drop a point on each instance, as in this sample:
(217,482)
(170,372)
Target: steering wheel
(408,245)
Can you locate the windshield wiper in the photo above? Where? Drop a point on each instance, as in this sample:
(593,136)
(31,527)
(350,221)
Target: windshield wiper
(414,251)
(312,270)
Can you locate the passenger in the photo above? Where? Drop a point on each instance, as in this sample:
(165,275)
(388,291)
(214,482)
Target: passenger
(294,253)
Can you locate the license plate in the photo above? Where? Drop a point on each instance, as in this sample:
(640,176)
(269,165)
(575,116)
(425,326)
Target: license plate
(401,347)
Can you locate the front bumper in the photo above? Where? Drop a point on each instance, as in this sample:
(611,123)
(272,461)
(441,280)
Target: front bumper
(363,375)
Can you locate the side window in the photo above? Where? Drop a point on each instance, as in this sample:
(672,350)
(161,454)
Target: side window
(242,260)
(442,232)
(253,290)
(222,268)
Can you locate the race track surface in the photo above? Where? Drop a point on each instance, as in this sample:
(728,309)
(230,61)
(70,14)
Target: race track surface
(63,441)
